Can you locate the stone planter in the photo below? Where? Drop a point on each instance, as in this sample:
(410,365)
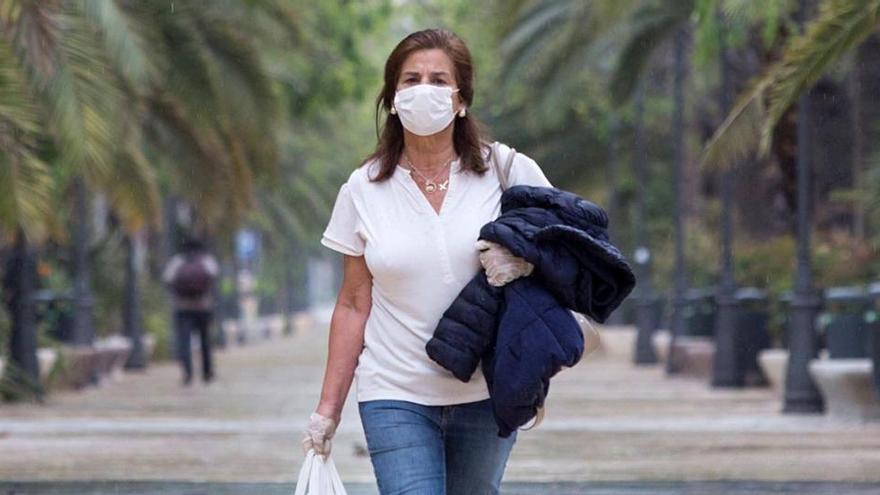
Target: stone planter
(774,363)
(113,351)
(661,344)
(82,365)
(149,346)
(47,357)
(848,388)
(694,356)
(617,340)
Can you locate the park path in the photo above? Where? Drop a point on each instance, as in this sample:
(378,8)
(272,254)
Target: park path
(606,420)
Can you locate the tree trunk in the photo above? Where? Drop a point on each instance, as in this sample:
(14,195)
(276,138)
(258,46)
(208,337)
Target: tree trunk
(866,120)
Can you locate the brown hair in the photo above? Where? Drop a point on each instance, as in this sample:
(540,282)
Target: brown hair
(468,134)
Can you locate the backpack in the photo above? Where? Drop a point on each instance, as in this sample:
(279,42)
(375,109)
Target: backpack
(192,279)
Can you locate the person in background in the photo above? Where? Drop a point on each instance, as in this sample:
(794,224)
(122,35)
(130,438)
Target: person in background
(190,275)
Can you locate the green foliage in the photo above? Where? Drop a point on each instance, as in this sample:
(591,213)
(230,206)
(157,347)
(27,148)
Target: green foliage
(108,286)
(16,385)
(768,265)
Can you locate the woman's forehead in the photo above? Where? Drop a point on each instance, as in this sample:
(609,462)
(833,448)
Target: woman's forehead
(430,61)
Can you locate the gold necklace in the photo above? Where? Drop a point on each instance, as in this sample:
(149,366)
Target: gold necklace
(431,185)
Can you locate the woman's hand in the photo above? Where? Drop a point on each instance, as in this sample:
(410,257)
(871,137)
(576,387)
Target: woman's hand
(500,264)
(318,433)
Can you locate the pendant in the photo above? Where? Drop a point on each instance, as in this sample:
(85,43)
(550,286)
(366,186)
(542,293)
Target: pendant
(444,184)
(430,187)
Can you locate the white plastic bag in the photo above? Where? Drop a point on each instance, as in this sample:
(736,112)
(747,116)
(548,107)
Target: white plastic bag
(318,476)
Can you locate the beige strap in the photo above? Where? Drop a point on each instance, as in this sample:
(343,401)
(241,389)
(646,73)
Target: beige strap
(502,171)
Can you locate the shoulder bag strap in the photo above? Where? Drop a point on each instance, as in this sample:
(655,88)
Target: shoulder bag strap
(502,171)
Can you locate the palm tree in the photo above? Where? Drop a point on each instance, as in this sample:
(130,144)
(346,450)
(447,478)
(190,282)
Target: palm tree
(83,102)
(840,26)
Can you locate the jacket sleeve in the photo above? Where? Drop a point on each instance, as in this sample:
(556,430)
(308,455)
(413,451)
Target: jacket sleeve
(583,270)
(467,329)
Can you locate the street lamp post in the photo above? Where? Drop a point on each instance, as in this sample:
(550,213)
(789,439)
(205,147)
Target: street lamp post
(131,311)
(644,351)
(24,368)
(677,323)
(801,394)
(727,370)
(83,319)
(617,317)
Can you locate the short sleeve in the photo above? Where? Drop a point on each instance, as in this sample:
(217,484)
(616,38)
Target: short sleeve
(341,233)
(525,172)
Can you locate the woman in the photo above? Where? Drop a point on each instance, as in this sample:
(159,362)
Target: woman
(407,221)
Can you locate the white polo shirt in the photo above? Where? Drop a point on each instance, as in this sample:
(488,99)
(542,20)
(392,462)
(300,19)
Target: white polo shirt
(420,261)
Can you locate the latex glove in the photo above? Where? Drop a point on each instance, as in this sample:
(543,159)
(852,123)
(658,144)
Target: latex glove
(592,337)
(318,434)
(500,264)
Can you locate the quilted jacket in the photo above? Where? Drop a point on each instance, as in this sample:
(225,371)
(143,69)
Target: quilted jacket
(523,333)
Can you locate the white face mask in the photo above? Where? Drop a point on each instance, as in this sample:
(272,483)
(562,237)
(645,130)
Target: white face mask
(425,109)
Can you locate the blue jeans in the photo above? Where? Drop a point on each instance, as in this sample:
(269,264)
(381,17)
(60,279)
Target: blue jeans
(435,450)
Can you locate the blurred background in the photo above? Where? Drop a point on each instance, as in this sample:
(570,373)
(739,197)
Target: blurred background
(734,143)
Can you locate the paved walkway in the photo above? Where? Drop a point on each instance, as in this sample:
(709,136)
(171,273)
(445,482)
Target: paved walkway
(632,429)
(509,488)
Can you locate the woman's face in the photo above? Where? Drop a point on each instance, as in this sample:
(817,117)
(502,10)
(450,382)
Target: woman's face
(431,66)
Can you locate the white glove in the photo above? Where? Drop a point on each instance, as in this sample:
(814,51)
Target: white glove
(318,434)
(500,264)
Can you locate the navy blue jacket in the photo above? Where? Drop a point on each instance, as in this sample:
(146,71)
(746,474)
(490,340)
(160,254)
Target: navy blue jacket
(523,333)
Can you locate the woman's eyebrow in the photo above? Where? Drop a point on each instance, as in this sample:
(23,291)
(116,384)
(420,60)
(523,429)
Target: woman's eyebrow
(434,74)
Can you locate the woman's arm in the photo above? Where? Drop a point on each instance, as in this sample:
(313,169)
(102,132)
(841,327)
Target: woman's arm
(346,335)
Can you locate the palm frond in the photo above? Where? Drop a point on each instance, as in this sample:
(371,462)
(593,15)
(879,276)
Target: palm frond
(205,164)
(653,25)
(740,133)
(556,34)
(122,37)
(65,65)
(770,14)
(536,27)
(32,27)
(25,180)
(840,26)
(134,192)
